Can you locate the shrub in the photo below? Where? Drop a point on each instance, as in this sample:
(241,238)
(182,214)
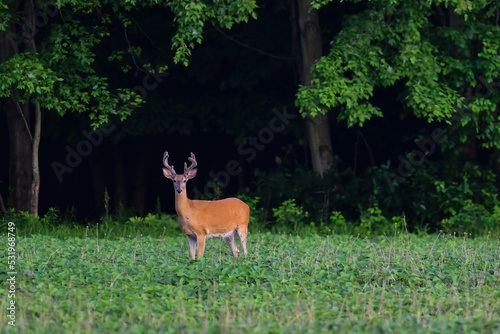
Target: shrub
(289,216)
(373,220)
(338,224)
(473,218)
(257,214)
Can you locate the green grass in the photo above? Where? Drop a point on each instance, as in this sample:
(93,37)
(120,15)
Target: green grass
(147,284)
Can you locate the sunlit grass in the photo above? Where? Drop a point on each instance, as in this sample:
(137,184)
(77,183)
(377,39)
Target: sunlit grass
(287,283)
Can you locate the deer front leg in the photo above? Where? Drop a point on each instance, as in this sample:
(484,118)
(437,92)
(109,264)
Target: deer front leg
(201,245)
(232,245)
(192,246)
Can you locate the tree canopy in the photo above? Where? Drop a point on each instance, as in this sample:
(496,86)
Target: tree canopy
(437,57)
(411,89)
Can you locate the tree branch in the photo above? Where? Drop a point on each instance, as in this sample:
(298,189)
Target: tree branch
(130,47)
(18,108)
(234,40)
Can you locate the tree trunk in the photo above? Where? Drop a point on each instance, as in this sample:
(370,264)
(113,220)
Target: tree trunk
(139,180)
(24,175)
(20,154)
(120,183)
(318,127)
(35,182)
(19,133)
(2,205)
(99,175)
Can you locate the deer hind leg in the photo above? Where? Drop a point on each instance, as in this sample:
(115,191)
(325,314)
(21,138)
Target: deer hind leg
(192,246)
(242,235)
(201,245)
(230,241)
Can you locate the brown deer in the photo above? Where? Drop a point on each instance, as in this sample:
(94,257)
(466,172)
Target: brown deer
(207,219)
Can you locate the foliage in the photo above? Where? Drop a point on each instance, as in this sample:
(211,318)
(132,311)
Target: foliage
(60,76)
(338,223)
(371,52)
(289,216)
(189,102)
(370,204)
(191,18)
(436,190)
(374,221)
(473,219)
(439,73)
(444,69)
(111,227)
(443,283)
(472,186)
(310,191)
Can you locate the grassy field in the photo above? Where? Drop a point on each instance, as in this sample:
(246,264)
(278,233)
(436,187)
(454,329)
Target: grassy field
(401,284)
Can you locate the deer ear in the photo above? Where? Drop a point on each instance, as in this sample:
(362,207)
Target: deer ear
(167,173)
(191,174)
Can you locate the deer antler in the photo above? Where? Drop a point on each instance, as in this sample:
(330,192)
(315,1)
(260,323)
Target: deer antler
(165,163)
(192,158)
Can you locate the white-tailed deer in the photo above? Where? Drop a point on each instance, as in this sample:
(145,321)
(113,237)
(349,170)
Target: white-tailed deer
(207,219)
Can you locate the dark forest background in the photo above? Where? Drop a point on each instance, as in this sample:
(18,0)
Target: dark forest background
(236,102)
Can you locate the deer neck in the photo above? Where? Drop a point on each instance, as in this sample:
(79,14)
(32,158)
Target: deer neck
(182,202)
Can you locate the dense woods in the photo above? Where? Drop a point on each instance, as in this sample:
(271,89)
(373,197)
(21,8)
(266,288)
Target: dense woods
(335,113)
